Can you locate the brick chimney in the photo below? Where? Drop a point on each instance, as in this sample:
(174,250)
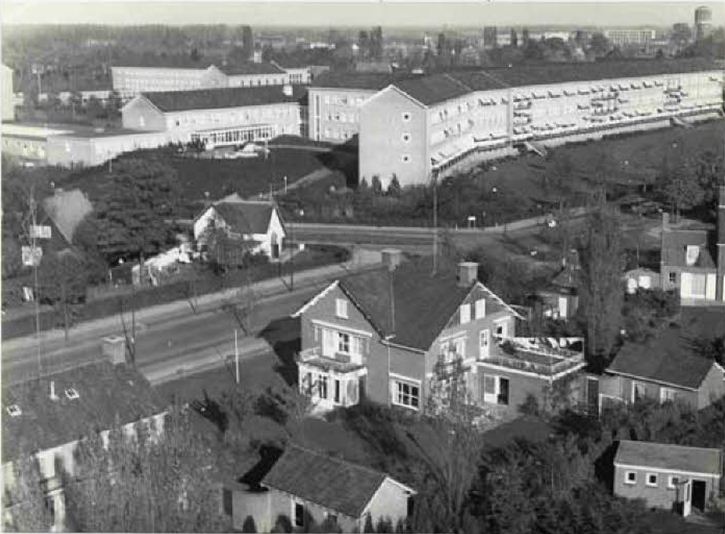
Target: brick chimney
(392,257)
(720,284)
(114,348)
(467,273)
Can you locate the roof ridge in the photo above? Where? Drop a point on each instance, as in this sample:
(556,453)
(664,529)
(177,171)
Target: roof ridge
(494,78)
(336,459)
(671,445)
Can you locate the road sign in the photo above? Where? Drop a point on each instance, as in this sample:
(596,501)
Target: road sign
(38,231)
(32,256)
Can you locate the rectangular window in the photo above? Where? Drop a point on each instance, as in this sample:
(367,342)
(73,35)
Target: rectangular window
(667,394)
(697,288)
(673,481)
(465,313)
(341,308)
(484,343)
(480,308)
(638,391)
(343,342)
(630,477)
(459,347)
(227,502)
(652,480)
(406,394)
(299,515)
(322,386)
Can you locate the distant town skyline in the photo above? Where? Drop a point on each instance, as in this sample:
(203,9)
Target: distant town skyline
(356,14)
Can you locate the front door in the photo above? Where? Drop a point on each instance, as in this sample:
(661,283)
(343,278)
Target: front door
(698,494)
(484,341)
(687,498)
(593,396)
(503,393)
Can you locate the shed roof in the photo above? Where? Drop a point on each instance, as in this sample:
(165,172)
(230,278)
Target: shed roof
(325,480)
(108,395)
(665,456)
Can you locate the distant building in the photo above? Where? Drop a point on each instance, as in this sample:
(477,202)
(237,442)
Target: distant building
(672,477)
(703,23)
(46,418)
(373,66)
(630,37)
(490,37)
(693,260)
(256,224)
(7,94)
(306,486)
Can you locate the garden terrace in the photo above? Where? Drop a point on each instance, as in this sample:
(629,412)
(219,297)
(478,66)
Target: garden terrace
(541,356)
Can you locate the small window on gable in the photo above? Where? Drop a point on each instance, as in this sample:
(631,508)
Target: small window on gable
(480,308)
(630,477)
(465,313)
(652,480)
(406,116)
(341,308)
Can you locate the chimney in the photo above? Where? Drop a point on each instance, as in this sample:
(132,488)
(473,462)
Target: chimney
(287,89)
(53,396)
(392,257)
(114,348)
(720,283)
(467,273)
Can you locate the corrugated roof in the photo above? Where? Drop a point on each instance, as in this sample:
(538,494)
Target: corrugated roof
(668,358)
(423,303)
(330,482)
(107,394)
(665,456)
(228,97)
(675,243)
(246,217)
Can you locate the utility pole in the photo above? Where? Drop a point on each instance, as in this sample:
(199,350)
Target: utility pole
(236,354)
(435,223)
(36,261)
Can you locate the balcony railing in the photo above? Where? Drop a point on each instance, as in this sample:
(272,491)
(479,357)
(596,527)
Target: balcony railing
(535,357)
(340,363)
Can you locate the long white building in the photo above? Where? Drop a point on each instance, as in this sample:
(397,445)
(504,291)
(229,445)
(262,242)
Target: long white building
(418,127)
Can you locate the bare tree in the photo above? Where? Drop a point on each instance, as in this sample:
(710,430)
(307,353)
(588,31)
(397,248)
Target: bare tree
(27,509)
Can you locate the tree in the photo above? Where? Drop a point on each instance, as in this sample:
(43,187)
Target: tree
(600,287)
(394,188)
(130,219)
(27,509)
(63,278)
(599,44)
(681,188)
(145,484)
(376,185)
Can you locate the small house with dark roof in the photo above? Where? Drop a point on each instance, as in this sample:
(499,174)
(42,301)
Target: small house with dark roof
(46,418)
(666,476)
(666,368)
(307,486)
(560,297)
(386,334)
(256,226)
(693,259)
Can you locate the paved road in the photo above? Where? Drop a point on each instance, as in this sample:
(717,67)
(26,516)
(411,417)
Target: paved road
(166,346)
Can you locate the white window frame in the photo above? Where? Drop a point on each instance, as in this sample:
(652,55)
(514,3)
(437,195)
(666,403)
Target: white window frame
(484,334)
(664,397)
(343,338)
(627,479)
(671,481)
(480,309)
(341,308)
(652,484)
(634,388)
(465,313)
(396,386)
(322,379)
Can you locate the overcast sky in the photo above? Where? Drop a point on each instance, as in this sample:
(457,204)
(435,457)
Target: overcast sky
(386,13)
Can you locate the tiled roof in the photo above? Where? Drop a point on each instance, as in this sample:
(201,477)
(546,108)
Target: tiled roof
(107,395)
(674,247)
(371,81)
(669,358)
(251,68)
(664,456)
(324,480)
(434,89)
(228,97)
(423,303)
(246,217)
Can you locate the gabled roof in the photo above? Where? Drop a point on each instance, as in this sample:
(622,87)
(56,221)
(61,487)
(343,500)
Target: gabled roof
(250,69)
(108,395)
(246,216)
(674,457)
(675,243)
(227,97)
(668,359)
(423,303)
(325,480)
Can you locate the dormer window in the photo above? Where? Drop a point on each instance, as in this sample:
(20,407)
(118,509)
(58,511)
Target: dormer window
(692,253)
(14,410)
(72,393)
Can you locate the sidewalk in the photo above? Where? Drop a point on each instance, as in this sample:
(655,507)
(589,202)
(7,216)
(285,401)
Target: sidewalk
(265,288)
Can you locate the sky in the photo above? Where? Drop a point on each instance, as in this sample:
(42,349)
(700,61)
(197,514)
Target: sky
(390,13)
